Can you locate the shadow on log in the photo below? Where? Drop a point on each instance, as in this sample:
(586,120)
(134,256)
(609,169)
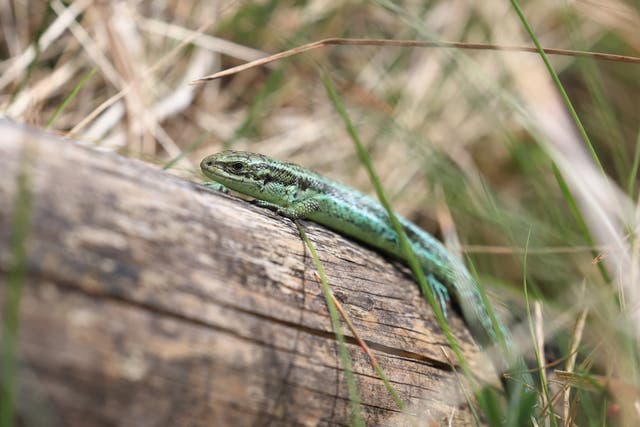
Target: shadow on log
(151,300)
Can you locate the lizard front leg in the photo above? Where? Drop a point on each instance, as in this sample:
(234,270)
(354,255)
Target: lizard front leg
(215,186)
(298,210)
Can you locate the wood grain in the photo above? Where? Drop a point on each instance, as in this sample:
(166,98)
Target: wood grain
(152,301)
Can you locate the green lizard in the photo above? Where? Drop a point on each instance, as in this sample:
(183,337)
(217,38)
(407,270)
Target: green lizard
(298,193)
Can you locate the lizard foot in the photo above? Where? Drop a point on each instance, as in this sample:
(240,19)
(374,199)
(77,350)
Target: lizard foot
(216,186)
(440,292)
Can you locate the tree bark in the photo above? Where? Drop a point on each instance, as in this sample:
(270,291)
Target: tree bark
(150,300)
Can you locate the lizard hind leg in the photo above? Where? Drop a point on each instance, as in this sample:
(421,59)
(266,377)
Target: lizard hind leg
(440,292)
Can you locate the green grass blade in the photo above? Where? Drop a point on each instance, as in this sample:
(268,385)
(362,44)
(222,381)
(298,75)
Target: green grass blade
(72,95)
(631,184)
(574,115)
(16,278)
(559,85)
(394,394)
(404,241)
(195,144)
(582,225)
(345,358)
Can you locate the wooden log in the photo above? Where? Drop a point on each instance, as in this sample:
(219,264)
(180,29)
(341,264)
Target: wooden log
(151,300)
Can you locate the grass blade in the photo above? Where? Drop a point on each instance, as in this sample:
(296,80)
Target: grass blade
(631,184)
(404,241)
(195,144)
(559,85)
(16,278)
(345,358)
(72,95)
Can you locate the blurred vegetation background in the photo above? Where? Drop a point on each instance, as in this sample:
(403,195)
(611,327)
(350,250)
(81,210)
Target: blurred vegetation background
(472,145)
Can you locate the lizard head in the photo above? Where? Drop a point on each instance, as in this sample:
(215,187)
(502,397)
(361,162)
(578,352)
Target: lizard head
(238,170)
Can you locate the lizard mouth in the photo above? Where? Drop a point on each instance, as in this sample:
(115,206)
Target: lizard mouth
(213,168)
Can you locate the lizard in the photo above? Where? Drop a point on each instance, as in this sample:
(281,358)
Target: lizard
(299,193)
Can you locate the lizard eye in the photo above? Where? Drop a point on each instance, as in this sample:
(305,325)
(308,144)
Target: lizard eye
(236,166)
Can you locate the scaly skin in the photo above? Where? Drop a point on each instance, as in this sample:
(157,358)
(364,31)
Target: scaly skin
(296,192)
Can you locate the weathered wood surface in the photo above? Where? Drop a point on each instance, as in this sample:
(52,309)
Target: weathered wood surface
(151,301)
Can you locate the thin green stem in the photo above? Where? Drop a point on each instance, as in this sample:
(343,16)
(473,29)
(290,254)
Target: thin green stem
(583,133)
(72,95)
(631,184)
(556,80)
(582,225)
(195,144)
(352,386)
(374,363)
(412,260)
(16,278)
